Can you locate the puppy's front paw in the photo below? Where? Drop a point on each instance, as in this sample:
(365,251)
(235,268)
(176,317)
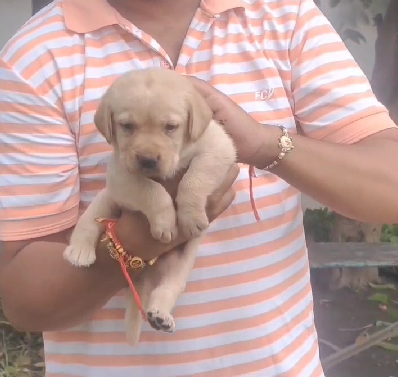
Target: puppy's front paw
(192,223)
(163,233)
(164,227)
(161,321)
(80,254)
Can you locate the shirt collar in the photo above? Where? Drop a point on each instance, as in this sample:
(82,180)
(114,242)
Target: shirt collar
(85,16)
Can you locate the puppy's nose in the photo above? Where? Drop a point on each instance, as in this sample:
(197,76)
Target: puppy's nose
(147,162)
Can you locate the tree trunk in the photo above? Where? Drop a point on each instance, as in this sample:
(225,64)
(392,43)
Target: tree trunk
(347,230)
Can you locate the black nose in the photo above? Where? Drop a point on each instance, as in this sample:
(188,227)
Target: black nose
(147,163)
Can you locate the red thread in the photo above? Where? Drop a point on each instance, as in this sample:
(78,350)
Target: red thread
(252,174)
(133,290)
(110,225)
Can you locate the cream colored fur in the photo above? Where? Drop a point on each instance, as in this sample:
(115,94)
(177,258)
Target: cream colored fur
(156,115)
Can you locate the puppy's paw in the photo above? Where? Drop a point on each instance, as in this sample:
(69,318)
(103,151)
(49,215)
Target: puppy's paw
(192,223)
(161,321)
(164,227)
(80,255)
(163,234)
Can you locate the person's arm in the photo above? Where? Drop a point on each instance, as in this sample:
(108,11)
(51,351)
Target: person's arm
(346,148)
(359,181)
(347,152)
(39,202)
(43,292)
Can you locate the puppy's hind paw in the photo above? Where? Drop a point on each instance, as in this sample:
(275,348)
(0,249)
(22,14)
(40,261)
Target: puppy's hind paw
(161,321)
(79,255)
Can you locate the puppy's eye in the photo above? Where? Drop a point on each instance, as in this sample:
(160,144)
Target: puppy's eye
(170,127)
(127,126)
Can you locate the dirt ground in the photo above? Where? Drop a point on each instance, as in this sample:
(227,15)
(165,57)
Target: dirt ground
(341,316)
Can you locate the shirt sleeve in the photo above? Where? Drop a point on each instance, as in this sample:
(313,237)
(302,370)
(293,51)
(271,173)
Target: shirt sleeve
(39,184)
(332,97)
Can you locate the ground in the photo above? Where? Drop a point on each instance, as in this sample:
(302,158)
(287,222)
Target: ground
(21,354)
(341,316)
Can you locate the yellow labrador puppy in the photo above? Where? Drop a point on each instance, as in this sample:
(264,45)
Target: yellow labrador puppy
(157,124)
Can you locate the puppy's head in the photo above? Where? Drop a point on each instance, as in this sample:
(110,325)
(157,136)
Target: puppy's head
(149,117)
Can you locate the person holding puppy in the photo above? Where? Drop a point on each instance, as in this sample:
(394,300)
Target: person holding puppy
(300,111)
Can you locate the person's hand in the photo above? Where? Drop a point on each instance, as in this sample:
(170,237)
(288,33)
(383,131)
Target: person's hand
(249,135)
(133,231)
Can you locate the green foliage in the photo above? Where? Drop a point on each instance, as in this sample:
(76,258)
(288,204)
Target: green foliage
(319,223)
(390,234)
(380,298)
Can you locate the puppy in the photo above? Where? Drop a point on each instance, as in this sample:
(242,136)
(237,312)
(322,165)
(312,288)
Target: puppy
(157,125)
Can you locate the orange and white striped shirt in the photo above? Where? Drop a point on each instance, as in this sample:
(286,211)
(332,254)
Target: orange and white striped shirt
(247,309)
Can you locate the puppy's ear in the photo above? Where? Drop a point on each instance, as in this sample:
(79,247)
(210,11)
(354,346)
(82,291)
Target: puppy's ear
(103,120)
(199,115)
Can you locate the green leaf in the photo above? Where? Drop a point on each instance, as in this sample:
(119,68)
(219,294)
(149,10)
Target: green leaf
(393,313)
(390,233)
(383,323)
(389,346)
(382,286)
(380,297)
(9,370)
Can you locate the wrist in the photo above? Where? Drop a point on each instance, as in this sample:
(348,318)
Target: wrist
(267,150)
(130,230)
(109,266)
(128,264)
(133,232)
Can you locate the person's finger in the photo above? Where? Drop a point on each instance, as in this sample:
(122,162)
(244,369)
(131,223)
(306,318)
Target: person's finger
(171,185)
(202,87)
(225,201)
(230,178)
(217,101)
(217,196)
(208,92)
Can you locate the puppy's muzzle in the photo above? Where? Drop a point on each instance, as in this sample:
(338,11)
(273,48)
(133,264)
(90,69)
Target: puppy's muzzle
(148,163)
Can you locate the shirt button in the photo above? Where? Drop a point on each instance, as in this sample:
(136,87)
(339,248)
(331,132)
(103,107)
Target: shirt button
(165,64)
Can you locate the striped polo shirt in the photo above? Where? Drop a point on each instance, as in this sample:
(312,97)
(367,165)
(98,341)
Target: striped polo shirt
(247,309)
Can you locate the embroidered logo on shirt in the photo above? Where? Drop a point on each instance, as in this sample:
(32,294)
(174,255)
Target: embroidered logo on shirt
(263,95)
